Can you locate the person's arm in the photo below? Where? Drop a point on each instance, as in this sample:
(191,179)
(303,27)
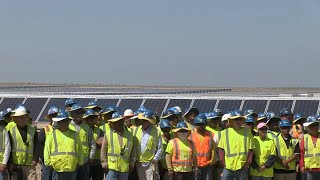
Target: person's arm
(221,156)
(103,154)
(169,161)
(270,161)
(7,149)
(36,148)
(42,140)
(195,159)
(158,154)
(295,155)
(214,158)
(249,158)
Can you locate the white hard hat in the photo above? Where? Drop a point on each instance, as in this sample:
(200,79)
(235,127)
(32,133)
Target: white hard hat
(225,117)
(128,113)
(178,108)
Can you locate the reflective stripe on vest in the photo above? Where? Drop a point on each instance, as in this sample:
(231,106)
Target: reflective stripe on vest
(176,161)
(15,141)
(306,153)
(128,144)
(293,142)
(56,151)
(210,145)
(228,145)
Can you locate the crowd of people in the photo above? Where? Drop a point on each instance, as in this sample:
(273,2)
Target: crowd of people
(83,143)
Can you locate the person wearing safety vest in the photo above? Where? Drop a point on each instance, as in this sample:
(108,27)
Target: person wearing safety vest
(249,123)
(95,172)
(273,125)
(264,155)
(189,116)
(96,108)
(63,149)
(128,113)
(310,149)
(5,148)
(165,127)
(148,146)
(85,135)
(297,128)
(181,155)
(262,117)
(236,148)
(224,122)
(287,153)
(68,104)
(24,147)
(117,153)
(213,124)
(7,117)
(203,140)
(106,114)
(172,115)
(46,172)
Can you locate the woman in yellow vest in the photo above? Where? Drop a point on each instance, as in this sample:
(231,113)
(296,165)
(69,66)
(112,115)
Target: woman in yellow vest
(63,150)
(264,155)
(181,155)
(165,127)
(117,155)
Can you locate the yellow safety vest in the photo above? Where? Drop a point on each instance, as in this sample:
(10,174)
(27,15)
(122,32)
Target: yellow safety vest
(21,152)
(163,159)
(311,152)
(96,134)
(10,125)
(119,154)
(272,134)
(262,150)
(182,157)
(48,129)
(2,143)
(105,127)
(64,151)
(285,153)
(152,144)
(216,133)
(236,146)
(83,130)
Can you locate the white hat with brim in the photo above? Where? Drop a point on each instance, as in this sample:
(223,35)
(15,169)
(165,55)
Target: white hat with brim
(116,119)
(152,121)
(178,129)
(60,119)
(20,112)
(309,123)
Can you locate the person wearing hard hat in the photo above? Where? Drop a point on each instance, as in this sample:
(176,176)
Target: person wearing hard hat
(273,125)
(106,114)
(117,154)
(213,123)
(128,113)
(179,110)
(172,115)
(249,123)
(96,108)
(189,116)
(165,127)
(297,128)
(203,141)
(236,148)
(63,149)
(225,121)
(24,147)
(264,155)
(7,117)
(5,150)
(286,113)
(46,172)
(68,103)
(309,150)
(135,121)
(250,112)
(95,172)
(181,155)
(85,134)
(287,153)
(148,146)
(262,117)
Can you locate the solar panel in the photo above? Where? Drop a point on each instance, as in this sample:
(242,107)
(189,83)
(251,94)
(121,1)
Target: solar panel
(276,105)
(129,104)
(229,105)
(204,105)
(58,102)
(35,106)
(257,105)
(10,103)
(306,107)
(183,103)
(107,102)
(156,105)
(83,101)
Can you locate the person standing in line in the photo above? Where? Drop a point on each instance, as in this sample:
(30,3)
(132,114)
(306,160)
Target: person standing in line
(5,149)
(273,125)
(165,127)
(63,149)
(106,114)
(189,116)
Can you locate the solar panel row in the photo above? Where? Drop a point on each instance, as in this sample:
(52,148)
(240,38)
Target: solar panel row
(36,105)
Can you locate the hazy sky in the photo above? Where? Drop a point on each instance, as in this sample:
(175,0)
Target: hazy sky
(256,43)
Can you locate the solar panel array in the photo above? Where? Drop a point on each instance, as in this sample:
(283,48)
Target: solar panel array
(39,106)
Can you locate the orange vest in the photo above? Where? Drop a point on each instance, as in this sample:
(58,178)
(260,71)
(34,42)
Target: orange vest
(204,148)
(182,160)
(296,131)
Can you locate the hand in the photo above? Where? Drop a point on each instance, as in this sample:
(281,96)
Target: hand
(246,165)
(285,164)
(34,163)
(3,168)
(262,168)
(302,169)
(106,169)
(99,142)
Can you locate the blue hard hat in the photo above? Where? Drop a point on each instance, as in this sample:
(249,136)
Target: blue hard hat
(89,112)
(211,115)
(261,116)
(311,120)
(175,111)
(62,115)
(249,119)
(116,114)
(181,126)
(69,102)
(235,115)
(285,112)
(271,117)
(170,112)
(191,109)
(53,110)
(148,114)
(7,112)
(250,112)
(298,117)
(76,106)
(285,123)
(93,104)
(142,109)
(109,109)
(164,123)
(200,119)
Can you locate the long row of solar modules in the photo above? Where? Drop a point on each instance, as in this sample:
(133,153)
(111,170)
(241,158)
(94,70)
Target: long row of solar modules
(39,106)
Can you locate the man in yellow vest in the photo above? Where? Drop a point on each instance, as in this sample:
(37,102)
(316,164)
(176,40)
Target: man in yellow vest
(46,172)
(7,117)
(5,148)
(85,134)
(264,155)
(63,149)
(95,172)
(24,146)
(68,103)
(181,155)
(117,153)
(96,108)
(189,116)
(165,127)
(172,115)
(310,148)
(273,125)
(287,153)
(148,146)
(106,114)
(236,149)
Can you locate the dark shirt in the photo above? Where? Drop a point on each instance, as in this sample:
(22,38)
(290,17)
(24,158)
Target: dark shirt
(42,140)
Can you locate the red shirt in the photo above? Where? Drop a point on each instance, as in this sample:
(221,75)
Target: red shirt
(301,163)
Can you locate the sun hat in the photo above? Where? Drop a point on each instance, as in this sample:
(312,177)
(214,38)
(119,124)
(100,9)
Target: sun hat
(147,115)
(62,115)
(88,113)
(311,120)
(128,113)
(20,112)
(93,104)
(116,116)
